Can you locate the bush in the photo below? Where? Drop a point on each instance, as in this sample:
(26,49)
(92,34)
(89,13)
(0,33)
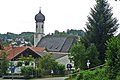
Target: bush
(79,76)
(38,72)
(61,69)
(19,64)
(28,72)
(89,75)
(118,76)
(112,58)
(98,74)
(26,63)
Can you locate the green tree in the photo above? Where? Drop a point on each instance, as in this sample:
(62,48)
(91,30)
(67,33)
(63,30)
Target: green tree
(4,63)
(47,62)
(80,55)
(101,26)
(118,36)
(92,54)
(113,58)
(77,52)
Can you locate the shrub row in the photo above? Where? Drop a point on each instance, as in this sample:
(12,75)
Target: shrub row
(98,74)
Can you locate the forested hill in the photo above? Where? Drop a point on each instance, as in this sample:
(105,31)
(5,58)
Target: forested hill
(27,36)
(71,32)
(10,35)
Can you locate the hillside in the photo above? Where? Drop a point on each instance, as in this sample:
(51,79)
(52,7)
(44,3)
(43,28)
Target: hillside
(8,37)
(29,36)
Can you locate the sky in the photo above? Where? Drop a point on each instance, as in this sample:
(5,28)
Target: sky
(17,16)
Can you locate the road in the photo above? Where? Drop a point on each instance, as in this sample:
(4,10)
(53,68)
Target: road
(55,78)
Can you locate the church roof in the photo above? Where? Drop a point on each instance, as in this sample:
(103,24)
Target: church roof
(56,44)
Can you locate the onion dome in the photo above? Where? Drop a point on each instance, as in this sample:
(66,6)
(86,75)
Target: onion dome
(39,17)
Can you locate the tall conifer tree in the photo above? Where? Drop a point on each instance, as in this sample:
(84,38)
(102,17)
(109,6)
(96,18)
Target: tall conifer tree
(101,26)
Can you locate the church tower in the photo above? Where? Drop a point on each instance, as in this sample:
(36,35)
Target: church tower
(39,18)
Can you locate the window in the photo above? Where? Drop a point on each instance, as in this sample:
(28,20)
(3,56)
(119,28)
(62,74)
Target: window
(42,26)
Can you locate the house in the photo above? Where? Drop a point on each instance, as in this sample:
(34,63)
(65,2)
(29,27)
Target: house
(14,55)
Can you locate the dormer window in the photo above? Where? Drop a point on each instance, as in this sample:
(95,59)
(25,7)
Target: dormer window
(56,47)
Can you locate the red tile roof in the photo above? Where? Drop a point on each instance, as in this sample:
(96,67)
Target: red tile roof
(5,49)
(37,49)
(12,52)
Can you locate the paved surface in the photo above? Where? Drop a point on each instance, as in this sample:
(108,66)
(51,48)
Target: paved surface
(55,78)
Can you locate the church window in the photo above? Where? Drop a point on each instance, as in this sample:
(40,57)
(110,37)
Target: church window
(42,26)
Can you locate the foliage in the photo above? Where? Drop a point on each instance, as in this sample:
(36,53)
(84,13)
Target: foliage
(60,69)
(80,55)
(77,52)
(21,58)
(118,36)
(75,32)
(71,32)
(113,57)
(19,64)
(28,72)
(27,60)
(4,63)
(98,74)
(79,76)
(101,26)
(27,36)
(92,55)
(47,62)
(118,76)
(37,72)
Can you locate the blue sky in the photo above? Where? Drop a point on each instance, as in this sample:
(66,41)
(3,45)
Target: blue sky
(17,16)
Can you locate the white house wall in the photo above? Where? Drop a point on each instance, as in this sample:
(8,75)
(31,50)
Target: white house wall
(64,60)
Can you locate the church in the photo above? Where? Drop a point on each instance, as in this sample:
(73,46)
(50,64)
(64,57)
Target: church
(58,46)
